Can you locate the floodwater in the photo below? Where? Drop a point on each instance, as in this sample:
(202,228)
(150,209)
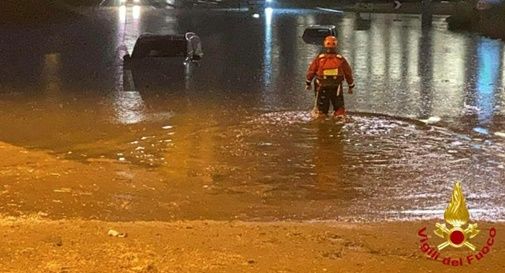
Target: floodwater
(428,110)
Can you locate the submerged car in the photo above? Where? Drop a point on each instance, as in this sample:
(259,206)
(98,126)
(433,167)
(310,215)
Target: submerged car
(315,34)
(151,45)
(187,46)
(157,61)
(129,2)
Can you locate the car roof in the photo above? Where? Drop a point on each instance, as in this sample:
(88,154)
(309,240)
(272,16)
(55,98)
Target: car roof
(321,26)
(158,37)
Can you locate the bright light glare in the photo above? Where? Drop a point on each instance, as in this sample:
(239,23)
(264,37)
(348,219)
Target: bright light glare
(268,16)
(122,14)
(129,107)
(256,15)
(136,12)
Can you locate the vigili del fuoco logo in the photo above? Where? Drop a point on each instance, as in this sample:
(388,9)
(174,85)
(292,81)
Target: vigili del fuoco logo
(456,232)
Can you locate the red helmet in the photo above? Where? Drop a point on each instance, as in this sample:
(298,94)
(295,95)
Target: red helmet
(330,42)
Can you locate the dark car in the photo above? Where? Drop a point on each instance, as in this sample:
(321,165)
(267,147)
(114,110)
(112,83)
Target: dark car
(315,34)
(156,46)
(159,61)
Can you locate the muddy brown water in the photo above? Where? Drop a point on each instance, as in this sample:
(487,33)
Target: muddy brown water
(427,111)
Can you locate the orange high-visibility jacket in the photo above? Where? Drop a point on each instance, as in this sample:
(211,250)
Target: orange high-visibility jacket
(331,66)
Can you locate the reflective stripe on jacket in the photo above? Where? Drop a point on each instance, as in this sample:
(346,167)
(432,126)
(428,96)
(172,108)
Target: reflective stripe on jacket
(328,65)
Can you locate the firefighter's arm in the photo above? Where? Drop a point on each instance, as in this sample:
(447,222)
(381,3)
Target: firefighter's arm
(348,75)
(311,73)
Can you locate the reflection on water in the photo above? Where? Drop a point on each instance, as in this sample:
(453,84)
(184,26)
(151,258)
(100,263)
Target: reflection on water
(267,55)
(129,107)
(238,124)
(128,103)
(131,24)
(122,14)
(136,12)
(51,74)
(489,52)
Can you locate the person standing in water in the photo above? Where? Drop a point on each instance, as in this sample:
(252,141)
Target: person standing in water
(195,52)
(329,70)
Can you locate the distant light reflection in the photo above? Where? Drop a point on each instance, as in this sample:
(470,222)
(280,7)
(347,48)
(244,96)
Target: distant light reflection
(122,14)
(378,51)
(347,28)
(306,20)
(136,12)
(413,53)
(171,25)
(129,107)
(361,54)
(451,68)
(267,71)
(127,102)
(51,73)
(268,15)
(132,28)
(395,48)
(489,54)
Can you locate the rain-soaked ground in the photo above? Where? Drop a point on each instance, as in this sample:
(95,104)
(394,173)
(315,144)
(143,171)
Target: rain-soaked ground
(427,111)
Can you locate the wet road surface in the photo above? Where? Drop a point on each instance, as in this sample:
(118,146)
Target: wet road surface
(427,110)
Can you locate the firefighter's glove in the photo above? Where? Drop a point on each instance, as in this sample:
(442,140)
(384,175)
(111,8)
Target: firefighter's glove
(308,86)
(351,87)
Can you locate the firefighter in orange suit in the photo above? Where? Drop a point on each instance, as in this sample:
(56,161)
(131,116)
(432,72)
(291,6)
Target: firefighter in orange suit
(329,70)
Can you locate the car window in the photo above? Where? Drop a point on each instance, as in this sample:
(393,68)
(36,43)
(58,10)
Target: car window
(315,35)
(159,47)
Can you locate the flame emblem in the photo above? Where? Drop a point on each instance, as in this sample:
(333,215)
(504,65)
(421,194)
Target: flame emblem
(456,213)
(457,216)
